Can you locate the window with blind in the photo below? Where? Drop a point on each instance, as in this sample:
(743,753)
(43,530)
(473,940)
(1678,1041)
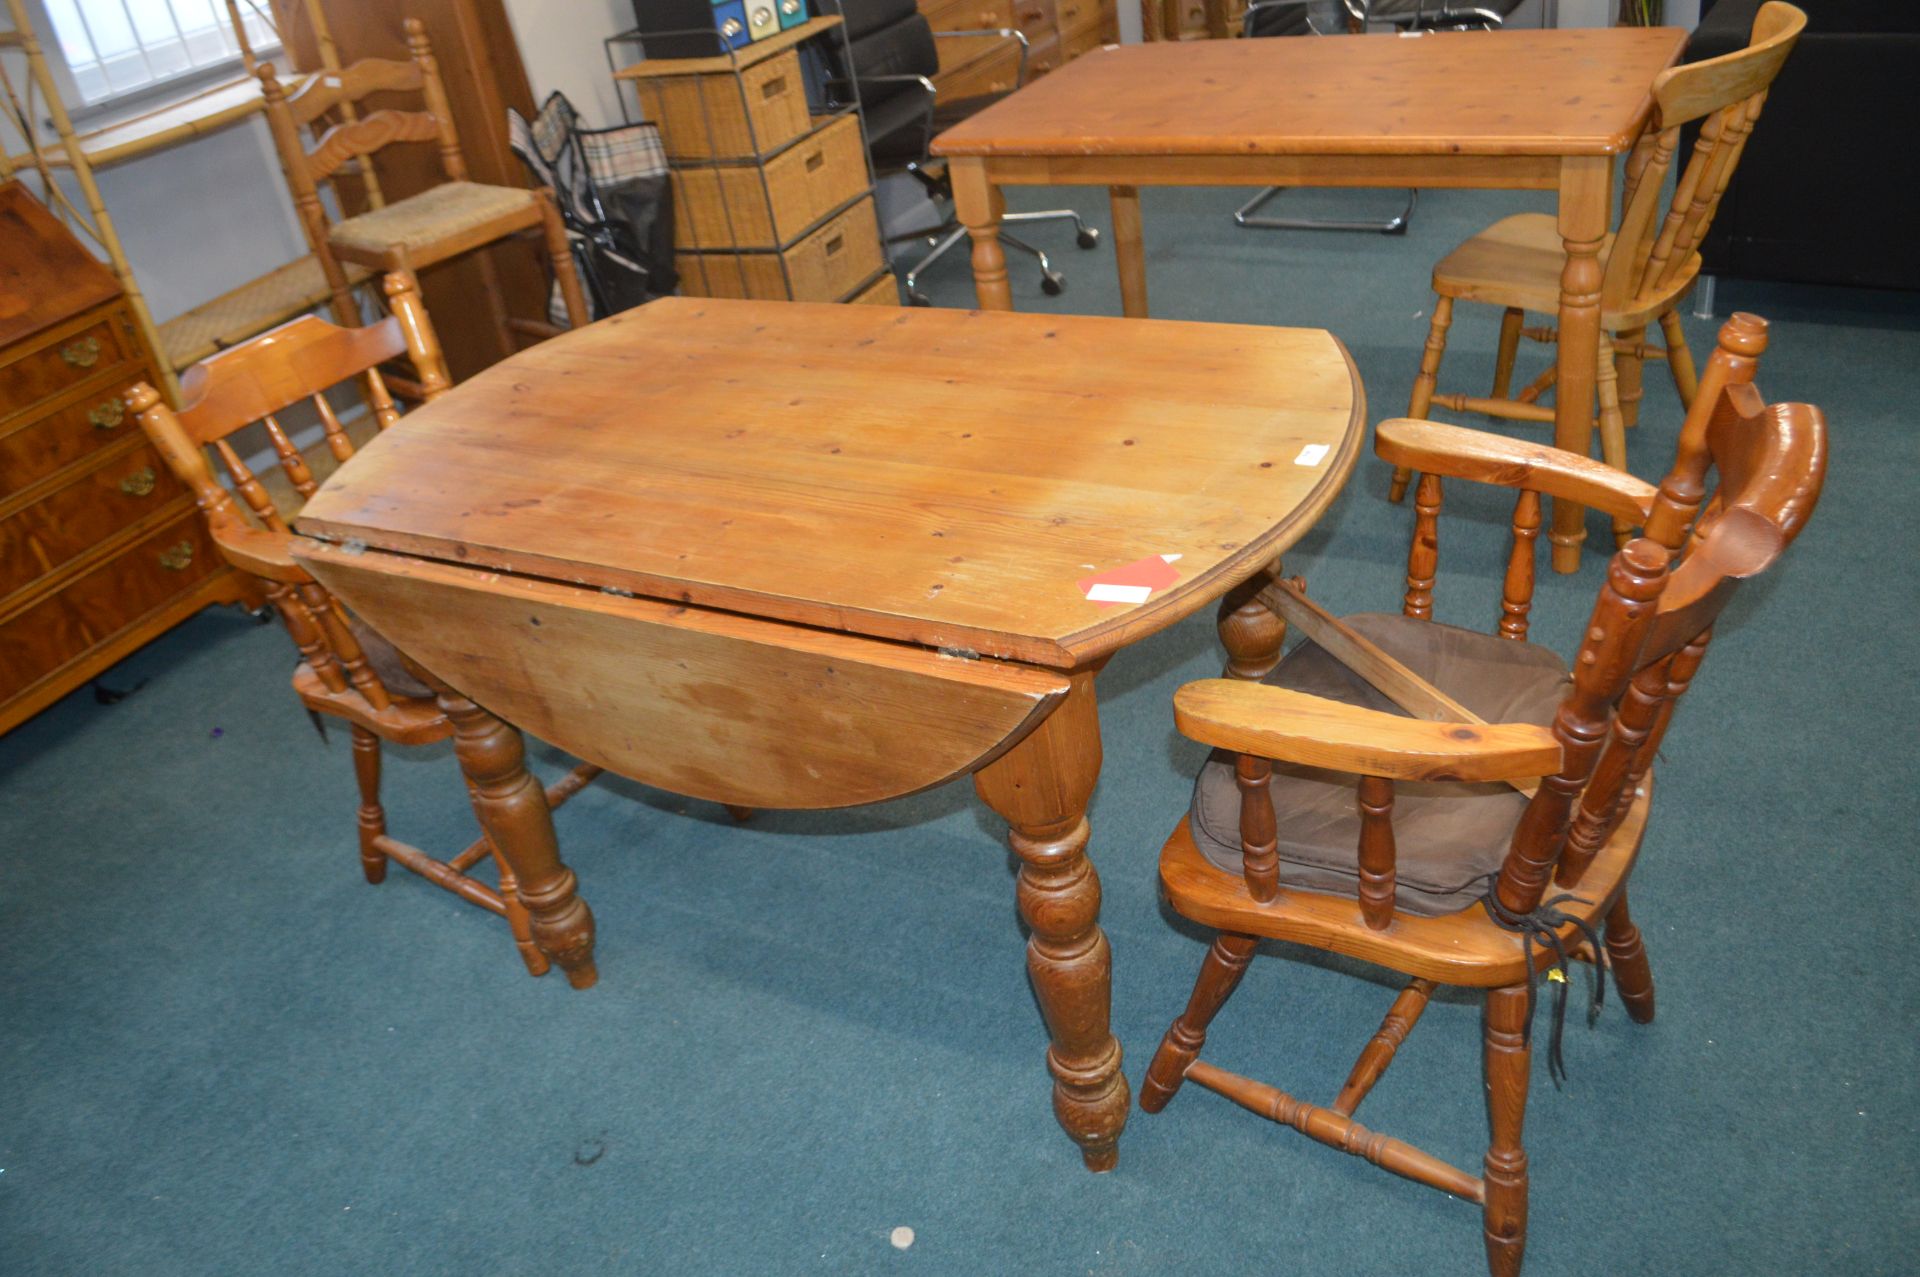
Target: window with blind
(117,46)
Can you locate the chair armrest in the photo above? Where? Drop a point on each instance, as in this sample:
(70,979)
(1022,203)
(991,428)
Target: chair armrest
(1294,727)
(261,552)
(1005,33)
(1456,452)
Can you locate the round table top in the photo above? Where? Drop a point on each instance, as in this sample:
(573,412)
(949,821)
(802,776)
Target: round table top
(1032,487)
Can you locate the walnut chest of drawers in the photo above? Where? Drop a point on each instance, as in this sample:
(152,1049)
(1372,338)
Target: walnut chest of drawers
(101,549)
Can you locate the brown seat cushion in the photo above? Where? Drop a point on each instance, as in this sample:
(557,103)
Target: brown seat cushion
(385,660)
(1447,835)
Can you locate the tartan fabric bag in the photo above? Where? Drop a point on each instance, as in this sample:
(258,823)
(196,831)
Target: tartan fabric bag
(612,186)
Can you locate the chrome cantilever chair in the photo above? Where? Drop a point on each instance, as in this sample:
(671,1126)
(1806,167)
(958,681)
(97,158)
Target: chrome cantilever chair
(894,57)
(1332,17)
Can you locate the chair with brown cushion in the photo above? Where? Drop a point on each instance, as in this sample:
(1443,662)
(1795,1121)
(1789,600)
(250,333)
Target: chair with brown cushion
(411,234)
(347,670)
(1458,807)
(1649,262)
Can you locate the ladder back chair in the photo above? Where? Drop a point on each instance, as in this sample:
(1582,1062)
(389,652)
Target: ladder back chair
(442,222)
(1458,807)
(1650,260)
(347,670)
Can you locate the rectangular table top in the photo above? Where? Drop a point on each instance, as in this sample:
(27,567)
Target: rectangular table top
(939,477)
(1559,93)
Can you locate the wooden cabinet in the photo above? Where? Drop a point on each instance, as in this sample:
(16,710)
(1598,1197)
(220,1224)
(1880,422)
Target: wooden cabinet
(770,202)
(1057,31)
(101,550)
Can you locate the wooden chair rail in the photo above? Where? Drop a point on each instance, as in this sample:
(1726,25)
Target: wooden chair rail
(1313,731)
(1457,452)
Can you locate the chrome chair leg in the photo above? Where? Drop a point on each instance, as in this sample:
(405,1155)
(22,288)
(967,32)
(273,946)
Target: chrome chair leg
(1244,216)
(939,250)
(1084,235)
(1703,298)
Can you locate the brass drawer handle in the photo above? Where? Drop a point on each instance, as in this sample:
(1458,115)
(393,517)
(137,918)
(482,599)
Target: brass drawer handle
(139,483)
(177,558)
(84,353)
(107,415)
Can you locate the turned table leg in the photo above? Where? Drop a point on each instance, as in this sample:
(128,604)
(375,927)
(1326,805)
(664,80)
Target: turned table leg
(512,806)
(1252,632)
(1041,787)
(1586,187)
(978,204)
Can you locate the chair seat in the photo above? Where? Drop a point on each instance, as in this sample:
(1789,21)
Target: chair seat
(1517,262)
(1449,835)
(405,231)
(894,124)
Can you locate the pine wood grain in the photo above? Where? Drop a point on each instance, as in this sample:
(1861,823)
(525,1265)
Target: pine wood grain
(1466,93)
(938,477)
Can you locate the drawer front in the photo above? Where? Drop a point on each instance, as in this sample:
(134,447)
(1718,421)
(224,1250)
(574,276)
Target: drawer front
(1035,18)
(704,117)
(884,291)
(824,267)
(86,423)
(1044,56)
(72,520)
(969,15)
(727,207)
(1110,21)
(1075,17)
(42,373)
(996,73)
(108,599)
(1086,41)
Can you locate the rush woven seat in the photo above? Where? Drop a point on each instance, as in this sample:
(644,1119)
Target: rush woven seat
(435,215)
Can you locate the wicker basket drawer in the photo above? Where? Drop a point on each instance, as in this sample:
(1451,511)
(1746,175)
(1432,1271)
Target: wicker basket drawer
(998,72)
(69,359)
(122,489)
(723,117)
(884,291)
(145,576)
(82,424)
(726,207)
(823,267)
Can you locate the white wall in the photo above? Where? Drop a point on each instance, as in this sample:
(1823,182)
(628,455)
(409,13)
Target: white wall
(560,42)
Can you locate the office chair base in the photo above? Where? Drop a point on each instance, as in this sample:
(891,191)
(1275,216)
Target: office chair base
(1052,282)
(1244,216)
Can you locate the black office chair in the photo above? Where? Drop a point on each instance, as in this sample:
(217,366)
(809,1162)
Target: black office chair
(1331,17)
(894,59)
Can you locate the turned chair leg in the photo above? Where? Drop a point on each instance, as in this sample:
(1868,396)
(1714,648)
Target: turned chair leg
(1423,384)
(1220,973)
(373,817)
(1679,358)
(1627,955)
(1613,433)
(1508,1061)
(1509,349)
(561,253)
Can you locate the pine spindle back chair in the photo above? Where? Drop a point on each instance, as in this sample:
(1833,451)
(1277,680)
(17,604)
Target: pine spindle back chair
(445,221)
(347,670)
(1651,259)
(1407,793)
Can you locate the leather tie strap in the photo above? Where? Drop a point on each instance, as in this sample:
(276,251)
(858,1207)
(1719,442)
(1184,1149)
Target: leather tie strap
(1543,925)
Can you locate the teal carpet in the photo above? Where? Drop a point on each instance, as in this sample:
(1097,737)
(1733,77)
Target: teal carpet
(222,1052)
